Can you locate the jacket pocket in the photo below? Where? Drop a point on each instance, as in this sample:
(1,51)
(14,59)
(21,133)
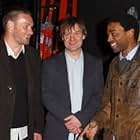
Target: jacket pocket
(134,130)
(138,135)
(133,92)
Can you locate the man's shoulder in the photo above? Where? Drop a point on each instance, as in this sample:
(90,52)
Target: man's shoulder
(92,57)
(31,48)
(114,60)
(55,59)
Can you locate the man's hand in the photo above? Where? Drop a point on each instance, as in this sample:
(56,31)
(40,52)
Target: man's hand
(72,124)
(89,131)
(37,136)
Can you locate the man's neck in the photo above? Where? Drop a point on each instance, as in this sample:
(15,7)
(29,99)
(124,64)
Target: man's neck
(130,47)
(14,47)
(75,54)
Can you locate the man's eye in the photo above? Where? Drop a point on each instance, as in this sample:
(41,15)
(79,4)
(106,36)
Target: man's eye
(33,29)
(114,34)
(67,34)
(25,26)
(78,33)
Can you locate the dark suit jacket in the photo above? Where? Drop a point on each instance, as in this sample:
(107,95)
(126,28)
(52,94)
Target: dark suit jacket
(56,94)
(8,93)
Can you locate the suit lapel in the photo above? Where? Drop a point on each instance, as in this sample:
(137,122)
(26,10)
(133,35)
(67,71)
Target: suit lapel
(64,75)
(6,75)
(4,58)
(4,62)
(85,79)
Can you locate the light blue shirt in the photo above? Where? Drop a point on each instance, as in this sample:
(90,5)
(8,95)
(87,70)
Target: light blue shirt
(75,79)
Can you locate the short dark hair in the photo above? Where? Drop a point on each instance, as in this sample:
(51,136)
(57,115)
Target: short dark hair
(127,22)
(69,22)
(12,14)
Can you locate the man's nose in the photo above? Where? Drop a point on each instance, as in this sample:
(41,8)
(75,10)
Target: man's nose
(110,38)
(72,36)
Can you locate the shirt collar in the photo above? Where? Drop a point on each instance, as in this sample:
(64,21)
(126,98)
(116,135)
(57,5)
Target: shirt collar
(130,54)
(11,53)
(72,59)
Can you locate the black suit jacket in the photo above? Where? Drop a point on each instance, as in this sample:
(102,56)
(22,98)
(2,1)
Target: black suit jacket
(56,94)
(8,93)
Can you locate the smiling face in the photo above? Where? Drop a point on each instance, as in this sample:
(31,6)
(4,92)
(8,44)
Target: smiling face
(21,29)
(120,40)
(117,37)
(73,39)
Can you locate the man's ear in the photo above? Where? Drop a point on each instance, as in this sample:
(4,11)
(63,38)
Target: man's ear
(10,25)
(131,32)
(84,37)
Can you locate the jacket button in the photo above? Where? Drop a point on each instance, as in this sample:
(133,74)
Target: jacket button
(119,99)
(9,88)
(117,116)
(121,83)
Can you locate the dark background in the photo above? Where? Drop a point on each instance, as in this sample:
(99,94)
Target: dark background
(93,12)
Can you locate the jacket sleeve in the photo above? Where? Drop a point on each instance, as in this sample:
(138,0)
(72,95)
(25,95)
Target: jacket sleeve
(37,104)
(102,117)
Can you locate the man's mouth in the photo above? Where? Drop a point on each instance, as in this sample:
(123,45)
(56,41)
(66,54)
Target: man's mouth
(113,44)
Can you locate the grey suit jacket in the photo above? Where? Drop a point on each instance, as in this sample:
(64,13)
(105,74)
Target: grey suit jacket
(56,94)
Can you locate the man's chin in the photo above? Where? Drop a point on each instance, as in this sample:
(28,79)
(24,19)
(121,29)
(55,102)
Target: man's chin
(115,50)
(26,43)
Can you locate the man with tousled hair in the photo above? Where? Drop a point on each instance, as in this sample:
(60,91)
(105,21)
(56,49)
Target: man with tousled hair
(72,84)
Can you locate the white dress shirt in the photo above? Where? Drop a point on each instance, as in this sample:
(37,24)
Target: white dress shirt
(75,77)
